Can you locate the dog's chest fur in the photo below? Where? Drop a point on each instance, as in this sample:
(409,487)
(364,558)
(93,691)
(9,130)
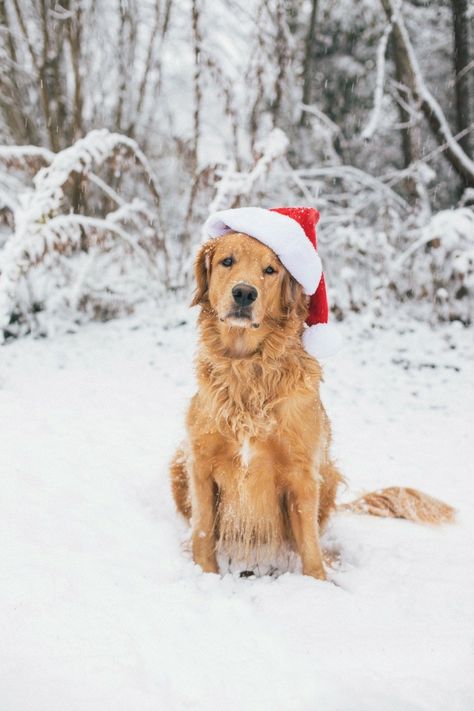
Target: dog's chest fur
(255,400)
(242,400)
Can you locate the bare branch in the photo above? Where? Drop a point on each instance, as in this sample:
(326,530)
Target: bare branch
(460,161)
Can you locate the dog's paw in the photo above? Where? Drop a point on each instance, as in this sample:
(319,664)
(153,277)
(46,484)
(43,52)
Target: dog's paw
(208,565)
(316,572)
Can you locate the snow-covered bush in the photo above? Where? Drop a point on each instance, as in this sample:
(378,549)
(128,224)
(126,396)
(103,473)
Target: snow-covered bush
(78,248)
(79,243)
(439,265)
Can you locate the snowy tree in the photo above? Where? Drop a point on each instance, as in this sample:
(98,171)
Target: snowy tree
(362,109)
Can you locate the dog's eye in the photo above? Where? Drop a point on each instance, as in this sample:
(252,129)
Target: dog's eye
(227,262)
(269,270)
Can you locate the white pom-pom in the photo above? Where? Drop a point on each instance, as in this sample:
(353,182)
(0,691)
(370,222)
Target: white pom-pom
(321,340)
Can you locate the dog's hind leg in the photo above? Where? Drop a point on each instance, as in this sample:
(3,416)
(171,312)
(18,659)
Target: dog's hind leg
(180,483)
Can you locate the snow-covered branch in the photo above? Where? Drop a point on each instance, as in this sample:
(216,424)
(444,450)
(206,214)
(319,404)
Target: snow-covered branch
(234,184)
(371,127)
(47,232)
(433,112)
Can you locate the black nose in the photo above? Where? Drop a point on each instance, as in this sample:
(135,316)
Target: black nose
(244,295)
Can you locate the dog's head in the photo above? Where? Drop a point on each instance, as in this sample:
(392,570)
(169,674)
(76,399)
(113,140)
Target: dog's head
(247,288)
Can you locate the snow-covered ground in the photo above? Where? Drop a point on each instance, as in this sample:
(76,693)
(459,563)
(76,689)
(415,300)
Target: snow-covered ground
(101,606)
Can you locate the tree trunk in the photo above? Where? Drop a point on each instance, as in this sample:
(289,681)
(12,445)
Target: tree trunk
(411,135)
(432,111)
(281,61)
(307,62)
(462,77)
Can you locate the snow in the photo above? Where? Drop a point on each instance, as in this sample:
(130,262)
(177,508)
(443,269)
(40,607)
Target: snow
(101,605)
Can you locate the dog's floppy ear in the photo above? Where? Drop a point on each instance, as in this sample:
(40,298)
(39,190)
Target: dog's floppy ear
(293,299)
(202,271)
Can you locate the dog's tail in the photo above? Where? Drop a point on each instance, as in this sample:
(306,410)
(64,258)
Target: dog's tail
(401,502)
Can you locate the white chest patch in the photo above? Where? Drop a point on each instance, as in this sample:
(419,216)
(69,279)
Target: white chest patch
(245,453)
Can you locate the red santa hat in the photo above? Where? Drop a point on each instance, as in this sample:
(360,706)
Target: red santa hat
(291,233)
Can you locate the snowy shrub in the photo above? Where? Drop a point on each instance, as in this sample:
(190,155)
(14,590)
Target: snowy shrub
(78,243)
(440,265)
(78,248)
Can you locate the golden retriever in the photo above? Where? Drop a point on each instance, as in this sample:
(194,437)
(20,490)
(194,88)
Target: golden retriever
(257,470)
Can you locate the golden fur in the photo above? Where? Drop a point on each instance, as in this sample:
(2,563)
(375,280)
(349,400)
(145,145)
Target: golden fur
(256,471)
(259,471)
(402,502)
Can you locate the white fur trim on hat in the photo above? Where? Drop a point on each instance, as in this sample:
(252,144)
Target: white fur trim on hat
(321,340)
(281,233)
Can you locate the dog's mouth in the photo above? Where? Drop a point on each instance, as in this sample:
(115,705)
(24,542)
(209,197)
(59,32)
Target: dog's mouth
(242,318)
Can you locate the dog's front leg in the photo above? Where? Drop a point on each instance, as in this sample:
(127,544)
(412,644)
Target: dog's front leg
(303,513)
(203,517)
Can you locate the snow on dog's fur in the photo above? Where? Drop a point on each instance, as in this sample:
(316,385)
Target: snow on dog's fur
(258,473)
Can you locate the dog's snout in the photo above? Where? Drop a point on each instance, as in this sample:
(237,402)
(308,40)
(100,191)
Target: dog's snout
(244,294)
